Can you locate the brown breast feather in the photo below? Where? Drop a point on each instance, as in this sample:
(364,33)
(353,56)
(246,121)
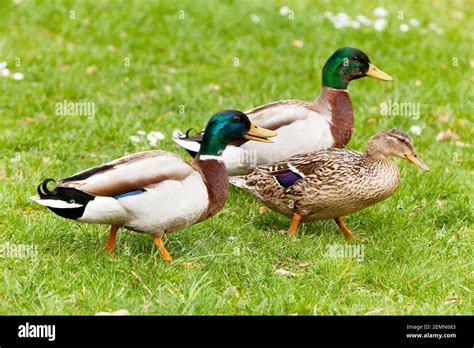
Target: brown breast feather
(214,174)
(342,116)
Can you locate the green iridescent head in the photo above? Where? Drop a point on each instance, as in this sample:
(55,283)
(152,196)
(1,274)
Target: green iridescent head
(347,64)
(230,126)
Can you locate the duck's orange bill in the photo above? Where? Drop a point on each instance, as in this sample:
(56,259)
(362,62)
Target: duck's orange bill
(259,134)
(417,162)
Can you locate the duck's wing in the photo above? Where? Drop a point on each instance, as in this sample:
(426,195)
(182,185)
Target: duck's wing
(129,173)
(271,116)
(280,176)
(281,113)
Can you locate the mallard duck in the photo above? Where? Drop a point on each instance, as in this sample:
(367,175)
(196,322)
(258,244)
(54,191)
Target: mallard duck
(332,183)
(155,192)
(302,126)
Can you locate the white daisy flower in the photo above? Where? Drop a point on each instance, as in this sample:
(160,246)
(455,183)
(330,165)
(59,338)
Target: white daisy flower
(416,130)
(284,11)
(341,20)
(380,12)
(168,89)
(355,24)
(380,24)
(135,138)
(18,76)
(328,14)
(364,20)
(214,87)
(3,65)
(404,27)
(157,135)
(414,22)
(5,72)
(254,18)
(298,43)
(153,137)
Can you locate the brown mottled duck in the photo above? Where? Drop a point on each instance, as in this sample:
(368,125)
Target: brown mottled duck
(332,183)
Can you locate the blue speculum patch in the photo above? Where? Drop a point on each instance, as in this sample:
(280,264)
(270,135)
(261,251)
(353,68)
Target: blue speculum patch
(131,193)
(288,178)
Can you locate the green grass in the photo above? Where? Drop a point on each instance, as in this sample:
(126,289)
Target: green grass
(420,256)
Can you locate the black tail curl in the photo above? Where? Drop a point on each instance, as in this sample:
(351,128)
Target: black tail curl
(196,137)
(66,194)
(187,133)
(43,190)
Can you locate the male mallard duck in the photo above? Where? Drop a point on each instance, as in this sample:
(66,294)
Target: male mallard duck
(332,183)
(301,126)
(154,191)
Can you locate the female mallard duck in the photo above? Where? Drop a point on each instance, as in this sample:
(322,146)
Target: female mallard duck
(301,126)
(154,191)
(332,183)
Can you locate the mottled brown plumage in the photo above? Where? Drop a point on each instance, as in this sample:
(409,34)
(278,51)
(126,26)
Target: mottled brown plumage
(332,183)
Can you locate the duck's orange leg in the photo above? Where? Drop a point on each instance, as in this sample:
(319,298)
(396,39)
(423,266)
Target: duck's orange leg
(294,224)
(346,231)
(110,245)
(161,247)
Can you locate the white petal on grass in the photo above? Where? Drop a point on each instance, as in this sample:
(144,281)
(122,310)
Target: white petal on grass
(344,18)
(3,65)
(5,72)
(135,138)
(328,14)
(214,87)
(380,24)
(286,273)
(432,26)
(254,18)
(153,137)
(414,22)
(355,24)
(341,20)
(298,43)
(18,76)
(380,12)
(458,14)
(404,27)
(284,11)
(141,132)
(364,20)
(416,130)
(157,135)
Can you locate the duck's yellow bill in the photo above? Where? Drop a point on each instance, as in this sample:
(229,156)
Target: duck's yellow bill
(378,74)
(259,134)
(417,162)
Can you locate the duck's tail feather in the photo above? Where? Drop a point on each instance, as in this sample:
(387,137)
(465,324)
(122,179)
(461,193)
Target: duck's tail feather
(192,143)
(238,181)
(66,202)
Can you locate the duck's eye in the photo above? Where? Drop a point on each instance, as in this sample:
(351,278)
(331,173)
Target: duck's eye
(236,119)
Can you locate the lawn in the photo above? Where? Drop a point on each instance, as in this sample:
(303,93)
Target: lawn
(159,65)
